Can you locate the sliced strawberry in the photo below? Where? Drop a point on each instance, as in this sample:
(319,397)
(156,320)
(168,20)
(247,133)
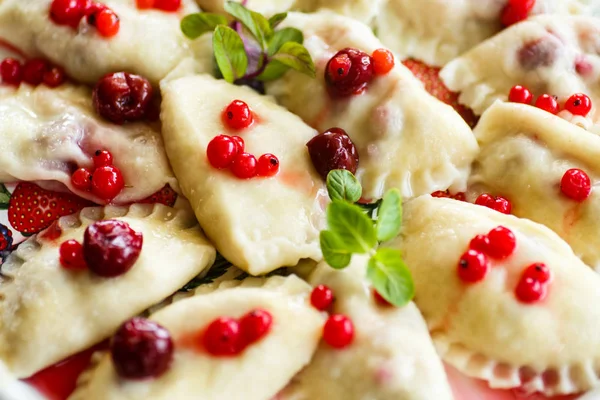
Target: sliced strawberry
(434,85)
(166,196)
(32,209)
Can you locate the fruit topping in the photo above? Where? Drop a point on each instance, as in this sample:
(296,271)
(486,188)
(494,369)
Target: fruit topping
(520,94)
(107,182)
(145,4)
(244,166)
(538,271)
(122,97)
(237,115)
(579,104)
(223,337)
(502,243)
(473,266)
(516,11)
(82,179)
(221,151)
(380,300)
(11,71)
(255,325)
(338,331)
(547,103)
(480,243)
(102,158)
(348,72)
(141,349)
(529,290)
(383,61)
(67,12)
(71,255)
(111,247)
(321,297)
(576,185)
(268,165)
(34,70)
(333,149)
(167,5)
(241,146)
(497,203)
(106,22)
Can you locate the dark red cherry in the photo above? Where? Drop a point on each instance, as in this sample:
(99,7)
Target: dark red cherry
(121,97)
(348,72)
(333,149)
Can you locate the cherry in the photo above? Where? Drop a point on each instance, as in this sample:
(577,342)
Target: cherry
(102,158)
(241,146)
(237,115)
(516,11)
(107,182)
(54,76)
(480,243)
(576,185)
(145,4)
(223,337)
(268,165)
(167,5)
(383,61)
(107,23)
(333,149)
(141,349)
(321,297)
(255,325)
(473,266)
(67,12)
(11,71)
(579,104)
(111,247)
(82,179)
(520,94)
(338,331)
(33,71)
(244,166)
(379,299)
(538,53)
(71,255)
(539,272)
(345,81)
(221,151)
(547,103)
(502,242)
(497,203)
(530,290)
(122,97)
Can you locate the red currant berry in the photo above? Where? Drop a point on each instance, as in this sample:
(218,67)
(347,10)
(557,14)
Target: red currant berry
(516,11)
(579,104)
(441,194)
(338,331)
(121,97)
(460,196)
(67,12)
(167,5)
(529,290)
(107,23)
(538,271)
(11,71)
(102,158)
(255,325)
(71,255)
(107,182)
(379,299)
(520,94)
(333,149)
(244,166)
(82,179)
(498,203)
(33,71)
(141,349)
(502,242)
(93,10)
(223,337)
(480,243)
(383,61)
(221,151)
(321,297)
(473,266)
(547,103)
(145,4)
(54,76)
(237,115)
(241,146)
(345,81)
(111,247)
(576,185)
(268,165)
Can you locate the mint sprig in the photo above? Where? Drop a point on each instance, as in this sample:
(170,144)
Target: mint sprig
(356,228)
(268,53)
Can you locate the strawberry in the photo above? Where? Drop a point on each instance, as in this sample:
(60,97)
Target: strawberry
(32,209)
(166,196)
(434,85)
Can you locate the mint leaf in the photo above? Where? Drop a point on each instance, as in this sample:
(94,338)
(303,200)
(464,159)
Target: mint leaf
(283,36)
(296,56)
(256,23)
(277,19)
(343,185)
(333,250)
(354,229)
(229,53)
(390,276)
(194,25)
(273,70)
(389,216)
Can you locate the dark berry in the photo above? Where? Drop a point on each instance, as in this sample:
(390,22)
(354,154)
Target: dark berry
(107,182)
(547,103)
(71,255)
(237,115)
(333,149)
(255,325)
(11,71)
(338,331)
(268,165)
(473,266)
(121,97)
(33,71)
(576,185)
(520,94)
(536,54)
(579,104)
(321,297)
(223,337)
(244,166)
(54,76)
(502,242)
(348,72)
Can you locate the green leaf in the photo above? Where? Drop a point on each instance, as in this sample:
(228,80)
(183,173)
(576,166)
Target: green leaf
(389,216)
(390,276)
(352,226)
(277,19)
(333,250)
(343,185)
(296,56)
(230,53)
(194,25)
(283,36)
(274,70)
(4,197)
(256,23)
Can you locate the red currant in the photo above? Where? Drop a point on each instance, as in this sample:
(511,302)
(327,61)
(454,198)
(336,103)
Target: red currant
(107,23)
(460,196)
(579,104)
(268,165)
(145,4)
(33,71)
(238,115)
(67,12)
(54,76)
(107,182)
(520,94)
(502,242)
(93,10)
(473,266)
(343,81)
(321,297)
(244,166)
(530,290)
(71,255)
(241,146)
(516,11)
(255,325)
(497,203)
(223,337)
(379,299)
(102,158)
(538,271)
(82,179)
(480,243)
(441,194)
(576,185)
(383,61)
(167,5)
(11,71)
(221,151)
(547,103)
(338,331)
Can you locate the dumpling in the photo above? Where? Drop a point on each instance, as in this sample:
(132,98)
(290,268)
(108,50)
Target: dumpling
(391,358)
(258,373)
(149,42)
(258,224)
(405,138)
(484,329)
(46,134)
(49,312)
(524,154)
